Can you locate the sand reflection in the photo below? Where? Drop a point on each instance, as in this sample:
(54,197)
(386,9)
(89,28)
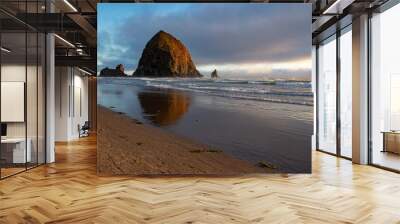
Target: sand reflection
(164,108)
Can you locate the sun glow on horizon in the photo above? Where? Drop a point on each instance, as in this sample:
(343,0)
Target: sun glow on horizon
(258,68)
(253,69)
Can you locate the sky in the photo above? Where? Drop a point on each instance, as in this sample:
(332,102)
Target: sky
(240,40)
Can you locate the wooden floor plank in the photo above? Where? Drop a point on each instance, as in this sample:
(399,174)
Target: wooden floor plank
(69,191)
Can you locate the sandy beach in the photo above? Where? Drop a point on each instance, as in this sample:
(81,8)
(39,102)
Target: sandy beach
(269,134)
(127,146)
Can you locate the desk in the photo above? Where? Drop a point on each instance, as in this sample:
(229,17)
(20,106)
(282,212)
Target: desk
(391,141)
(15,148)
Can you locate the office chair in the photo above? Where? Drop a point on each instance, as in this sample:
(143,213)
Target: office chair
(84,130)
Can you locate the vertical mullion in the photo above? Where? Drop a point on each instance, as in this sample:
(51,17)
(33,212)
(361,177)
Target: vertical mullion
(45,95)
(317,96)
(26,86)
(45,87)
(37,90)
(73,92)
(369,91)
(338,81)
(0,95)
(60,76)
(69,92)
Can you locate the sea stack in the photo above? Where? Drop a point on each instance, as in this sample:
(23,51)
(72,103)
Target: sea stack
(166,56)
(214,74)
(118,71)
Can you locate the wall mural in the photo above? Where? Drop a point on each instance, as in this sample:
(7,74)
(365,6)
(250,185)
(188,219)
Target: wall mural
(215,89)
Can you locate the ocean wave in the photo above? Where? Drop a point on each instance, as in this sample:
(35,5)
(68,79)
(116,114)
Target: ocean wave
(225,93)
(280,83)
(245,90)
(227,81)
(279,91)
(293,84)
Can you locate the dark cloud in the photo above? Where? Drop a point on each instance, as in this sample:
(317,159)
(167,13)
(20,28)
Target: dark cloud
(216,33)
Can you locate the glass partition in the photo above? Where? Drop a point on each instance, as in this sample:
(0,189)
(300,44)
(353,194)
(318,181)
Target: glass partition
(327,95)
(346,93)
(35,57)
(334,67)
(31,99)
(385,89)
(14,153)
(22,88)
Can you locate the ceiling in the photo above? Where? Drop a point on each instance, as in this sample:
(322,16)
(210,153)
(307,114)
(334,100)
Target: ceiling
(75,22)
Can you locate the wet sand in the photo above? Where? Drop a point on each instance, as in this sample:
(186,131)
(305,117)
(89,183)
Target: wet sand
(129,147)
(277,135)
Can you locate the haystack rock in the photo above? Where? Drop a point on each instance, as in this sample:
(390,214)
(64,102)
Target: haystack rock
(166,56)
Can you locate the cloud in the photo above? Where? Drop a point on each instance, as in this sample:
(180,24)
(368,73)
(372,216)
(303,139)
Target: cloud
(216,34)
(109,51)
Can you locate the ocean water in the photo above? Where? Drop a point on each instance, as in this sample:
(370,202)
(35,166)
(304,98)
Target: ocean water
(280,91)
(257,121)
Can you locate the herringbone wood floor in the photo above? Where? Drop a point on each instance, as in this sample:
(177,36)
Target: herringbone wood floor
(69,191)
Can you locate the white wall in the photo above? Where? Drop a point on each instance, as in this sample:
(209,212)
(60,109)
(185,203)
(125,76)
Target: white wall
(385,88)
(80,104)
(62,82)
(71,102)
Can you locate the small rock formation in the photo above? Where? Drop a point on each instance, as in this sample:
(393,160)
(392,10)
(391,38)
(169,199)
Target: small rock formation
(214,74)
(118,71)
(166,56)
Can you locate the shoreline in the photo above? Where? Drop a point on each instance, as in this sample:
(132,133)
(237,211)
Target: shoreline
(278,101)
(128,147)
